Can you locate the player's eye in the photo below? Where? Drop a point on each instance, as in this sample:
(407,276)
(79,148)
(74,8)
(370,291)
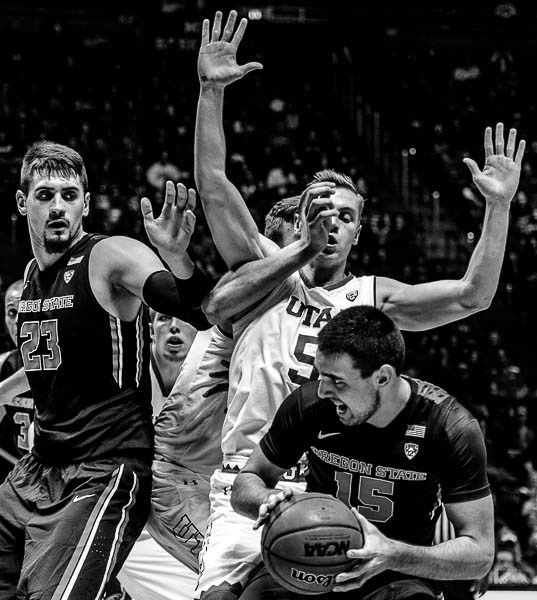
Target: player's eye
(12,313)
(44,195)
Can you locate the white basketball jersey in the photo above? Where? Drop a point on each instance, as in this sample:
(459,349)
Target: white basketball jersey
(275,346)
(189,427)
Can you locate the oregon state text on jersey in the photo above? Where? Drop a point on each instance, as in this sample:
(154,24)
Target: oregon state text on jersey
(275,347)
(88,370)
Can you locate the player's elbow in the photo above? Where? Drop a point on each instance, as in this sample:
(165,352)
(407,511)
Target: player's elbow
(236,495)
(484,565)
(473,300)
(211,184)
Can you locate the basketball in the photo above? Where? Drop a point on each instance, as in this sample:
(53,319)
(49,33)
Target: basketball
(305,541)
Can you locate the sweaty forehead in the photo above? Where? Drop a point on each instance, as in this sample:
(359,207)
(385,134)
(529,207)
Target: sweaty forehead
(12,298)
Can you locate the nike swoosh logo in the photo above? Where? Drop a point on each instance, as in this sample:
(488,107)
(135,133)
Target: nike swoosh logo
(77,498)
(322,435)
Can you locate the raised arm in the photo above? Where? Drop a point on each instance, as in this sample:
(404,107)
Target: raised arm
(238,291)
(468,556)
(233,228)
(125,272)
(427,305)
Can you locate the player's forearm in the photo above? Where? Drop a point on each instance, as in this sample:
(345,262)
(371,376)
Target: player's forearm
(249,492)
(242,289)
(481,279)
(461,558)
(14,385)
(210,143)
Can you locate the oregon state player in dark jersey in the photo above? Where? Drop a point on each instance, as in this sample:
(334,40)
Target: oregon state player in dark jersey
(392,447)
(72,508)
(16,429)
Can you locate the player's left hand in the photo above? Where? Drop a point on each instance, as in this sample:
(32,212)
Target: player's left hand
(498,181)
(171,231)
(374,557)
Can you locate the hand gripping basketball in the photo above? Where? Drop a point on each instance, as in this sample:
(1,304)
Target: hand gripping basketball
(305,541)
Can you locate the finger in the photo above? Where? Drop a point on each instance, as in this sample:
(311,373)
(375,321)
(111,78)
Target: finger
(217,25)
(147,209)
(191,202)
(499,139)
(472,165)
(322,215)
(230,26)
(251,66)
(205,32)
(169,199)
(239,34)
(511,142)
(181,197)
(489,148)
(188,223)
(520,152)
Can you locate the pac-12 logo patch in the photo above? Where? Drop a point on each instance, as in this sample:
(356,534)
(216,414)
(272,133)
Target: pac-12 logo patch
(411,450)
(68,275)
(351,296)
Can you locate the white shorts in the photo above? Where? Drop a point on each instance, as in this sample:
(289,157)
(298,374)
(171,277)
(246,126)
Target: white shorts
(231,548)
(151,573)
(180,509)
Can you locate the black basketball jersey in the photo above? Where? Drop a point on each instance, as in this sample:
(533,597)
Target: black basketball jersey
(19,412)
(88,370)
(397,476)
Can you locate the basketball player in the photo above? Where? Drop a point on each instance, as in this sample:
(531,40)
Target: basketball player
(392,447)
(16,429)
(72,508)
(188,440)
(275,342)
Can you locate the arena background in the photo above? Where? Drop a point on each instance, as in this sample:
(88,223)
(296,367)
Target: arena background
(395,94)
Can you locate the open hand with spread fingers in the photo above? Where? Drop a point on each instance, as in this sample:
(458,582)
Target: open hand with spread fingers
(498,181)
(171,231)
(217,59)
(269,505)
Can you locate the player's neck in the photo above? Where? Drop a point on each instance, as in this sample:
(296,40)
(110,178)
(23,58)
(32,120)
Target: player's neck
(392,403)
(319,276)
(46,259)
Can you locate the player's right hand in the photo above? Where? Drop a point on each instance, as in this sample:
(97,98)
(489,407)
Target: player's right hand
(317,215)
(272,501)
(217,59)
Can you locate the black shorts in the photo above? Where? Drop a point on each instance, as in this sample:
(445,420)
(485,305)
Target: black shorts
(65,531)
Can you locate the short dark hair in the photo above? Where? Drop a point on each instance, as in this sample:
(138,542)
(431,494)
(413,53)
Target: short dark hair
(366,334)
(282,212)
(47,158)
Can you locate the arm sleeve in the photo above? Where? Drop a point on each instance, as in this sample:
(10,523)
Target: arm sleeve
(464,476)
(179,298)
(284,442)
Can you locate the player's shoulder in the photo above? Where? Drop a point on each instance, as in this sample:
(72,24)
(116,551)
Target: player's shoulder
(443,410)
(306,400)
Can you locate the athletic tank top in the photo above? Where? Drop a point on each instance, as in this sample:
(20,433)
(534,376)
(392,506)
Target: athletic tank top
(275,346)
(88,370)
(188,430)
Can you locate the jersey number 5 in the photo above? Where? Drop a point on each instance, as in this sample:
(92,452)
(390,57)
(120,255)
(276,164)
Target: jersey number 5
(34,332)
(374,503)
(305,350)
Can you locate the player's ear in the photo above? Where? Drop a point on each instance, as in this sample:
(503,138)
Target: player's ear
(385,375)
(296,223)
(85,211)
(356,235)
(20,198)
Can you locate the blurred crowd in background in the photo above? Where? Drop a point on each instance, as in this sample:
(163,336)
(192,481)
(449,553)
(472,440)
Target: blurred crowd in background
(394,102)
